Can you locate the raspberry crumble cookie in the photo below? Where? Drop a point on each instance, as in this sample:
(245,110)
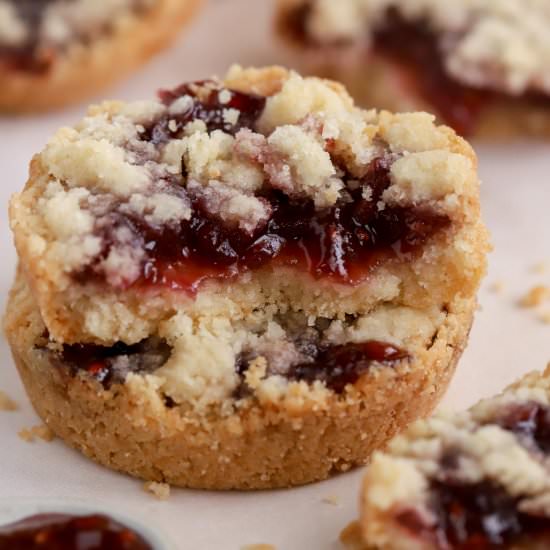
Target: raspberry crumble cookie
(53,52)
(248,283)
(482,65)
(477,479)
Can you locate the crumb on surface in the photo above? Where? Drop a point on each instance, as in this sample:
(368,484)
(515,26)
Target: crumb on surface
(540,267)
(536,296)
(160,491)
(258,547)
(545,317)
(6,403)
(41,431)
(333,500)
(351,537)
(497,287)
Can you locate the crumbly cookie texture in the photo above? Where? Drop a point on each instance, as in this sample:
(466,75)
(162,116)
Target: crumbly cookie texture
(102,194)
(502,45)
(439,483)
(272,432)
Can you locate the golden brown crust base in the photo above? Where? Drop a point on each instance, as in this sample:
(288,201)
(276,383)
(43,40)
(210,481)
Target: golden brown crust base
(84,71)
(129,428)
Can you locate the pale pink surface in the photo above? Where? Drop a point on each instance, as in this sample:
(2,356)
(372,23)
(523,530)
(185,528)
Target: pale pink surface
(506,341)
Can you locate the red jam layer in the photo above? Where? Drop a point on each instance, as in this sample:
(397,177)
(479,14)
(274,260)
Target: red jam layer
(66,532)
(343,243)
(481,516)
(414,48)
(336,366)
(530,422)
(111,365)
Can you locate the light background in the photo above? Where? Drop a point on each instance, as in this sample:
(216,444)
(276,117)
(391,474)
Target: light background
(506,341)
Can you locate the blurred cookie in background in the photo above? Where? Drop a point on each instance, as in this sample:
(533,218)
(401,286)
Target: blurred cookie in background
(482,66)
(55,52)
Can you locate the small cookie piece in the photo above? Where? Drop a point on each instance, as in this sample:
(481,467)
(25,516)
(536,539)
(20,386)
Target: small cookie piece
(251,283)
(55,52)
(482,67)
(41,431)
(7,403)
(476,479)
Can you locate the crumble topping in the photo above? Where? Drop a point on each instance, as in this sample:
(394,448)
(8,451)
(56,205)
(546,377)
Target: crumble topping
(502,45)
(216,360)
(128,174)
(13,31)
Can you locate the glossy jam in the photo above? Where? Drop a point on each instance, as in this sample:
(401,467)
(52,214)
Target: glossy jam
(65,532)
(476,517)
(343,243)
(208,109)
(336,366)
(530,421)
(109,365)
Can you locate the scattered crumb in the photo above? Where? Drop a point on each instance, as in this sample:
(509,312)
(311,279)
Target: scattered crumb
(161,491)
(540,268)
(334,500)
(497,287)
(7,404)
(545,317)
(351,537)
(30,434)
(258,547)
(535,296)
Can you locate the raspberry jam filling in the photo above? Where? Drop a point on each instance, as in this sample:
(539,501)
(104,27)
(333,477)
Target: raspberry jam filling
(111,365)
(208,108)
(335,366)
(530,422)
(474,516)
(414,47)
(66,532)
(343,242)
(338,366)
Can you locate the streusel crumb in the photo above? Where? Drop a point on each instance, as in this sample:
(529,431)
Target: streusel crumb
(535,296)
(6,403)
(161,491)
(333,500)
(41,431)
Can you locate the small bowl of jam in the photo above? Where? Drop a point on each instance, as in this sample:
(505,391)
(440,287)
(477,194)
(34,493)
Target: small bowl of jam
(61,526)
